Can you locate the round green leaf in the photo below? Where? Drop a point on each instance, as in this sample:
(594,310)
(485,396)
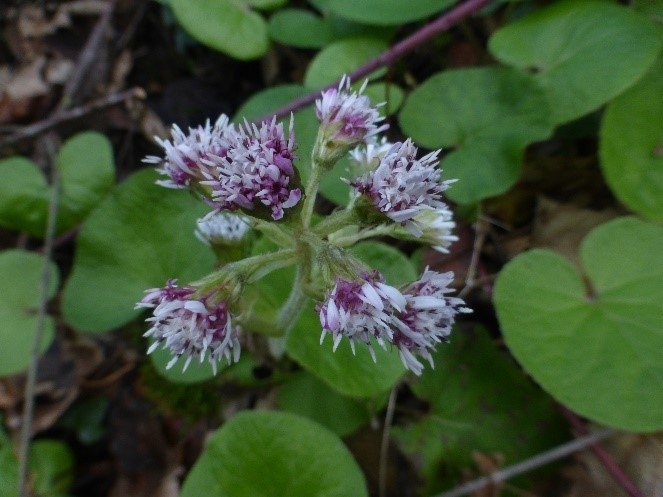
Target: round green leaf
(343,57)
(597,350)
(303,394)
(631,145)
(488,115)
(20,276)
(480,400)
(225,25)
(292,456)
(138,238)
(352,375)
(300,28)
(84,178)
(583,53)
(386,12)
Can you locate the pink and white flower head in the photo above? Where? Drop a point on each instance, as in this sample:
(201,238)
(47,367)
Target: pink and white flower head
(402,186)
(428,317)
(256,170)
(346,118)
(190,327)
(360,310)
(414,320)
(185,156)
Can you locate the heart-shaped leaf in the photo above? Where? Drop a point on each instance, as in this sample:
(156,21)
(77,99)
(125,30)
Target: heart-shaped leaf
(226,25)
(632,145)
(583,53)
(293,456)
(141,236)
(596,349)
(20,276)
(489,116)
(84,178)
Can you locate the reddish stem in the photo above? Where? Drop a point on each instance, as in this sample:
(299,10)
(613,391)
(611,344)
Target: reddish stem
(441,24)
(603,456)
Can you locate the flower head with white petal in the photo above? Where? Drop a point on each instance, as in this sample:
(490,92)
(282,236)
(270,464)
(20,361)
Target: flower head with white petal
(347,119)
(222,228)
(428,317)
(185,155)
(360,310)
(190,327)
(402,186)
(257,170)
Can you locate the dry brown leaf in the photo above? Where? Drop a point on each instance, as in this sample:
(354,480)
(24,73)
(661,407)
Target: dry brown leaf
(28,81)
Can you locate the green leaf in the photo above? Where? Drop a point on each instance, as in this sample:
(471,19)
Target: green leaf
(489,116)
(583,53)
(596,350)
(20,277)
(352,375)
(303,394)
(50,465)
(385,12)
(479,401)
(391,262)
(85,179)
(631,145)
(300,28)
(228,26)
(293,456)
(343,57)
(138,238)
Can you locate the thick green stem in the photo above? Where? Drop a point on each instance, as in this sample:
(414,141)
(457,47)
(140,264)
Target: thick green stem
(311,193)
(335,222)
(293,307)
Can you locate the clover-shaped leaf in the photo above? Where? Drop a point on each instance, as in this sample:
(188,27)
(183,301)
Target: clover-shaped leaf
(84,179)
(488,115)
(141,236)
(20,275)
(293,456)
(595,342)
(583,53)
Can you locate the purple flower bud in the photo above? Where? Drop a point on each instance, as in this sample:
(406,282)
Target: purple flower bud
(190,327)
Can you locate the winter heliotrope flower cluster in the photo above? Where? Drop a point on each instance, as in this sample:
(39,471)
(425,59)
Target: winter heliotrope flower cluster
(246,174)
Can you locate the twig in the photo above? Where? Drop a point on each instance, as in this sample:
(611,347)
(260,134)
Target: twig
(529,464)
(606,459)
(479,240)
(69,115)
(86,58)
(441,24)
(31,380)
(384,444)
